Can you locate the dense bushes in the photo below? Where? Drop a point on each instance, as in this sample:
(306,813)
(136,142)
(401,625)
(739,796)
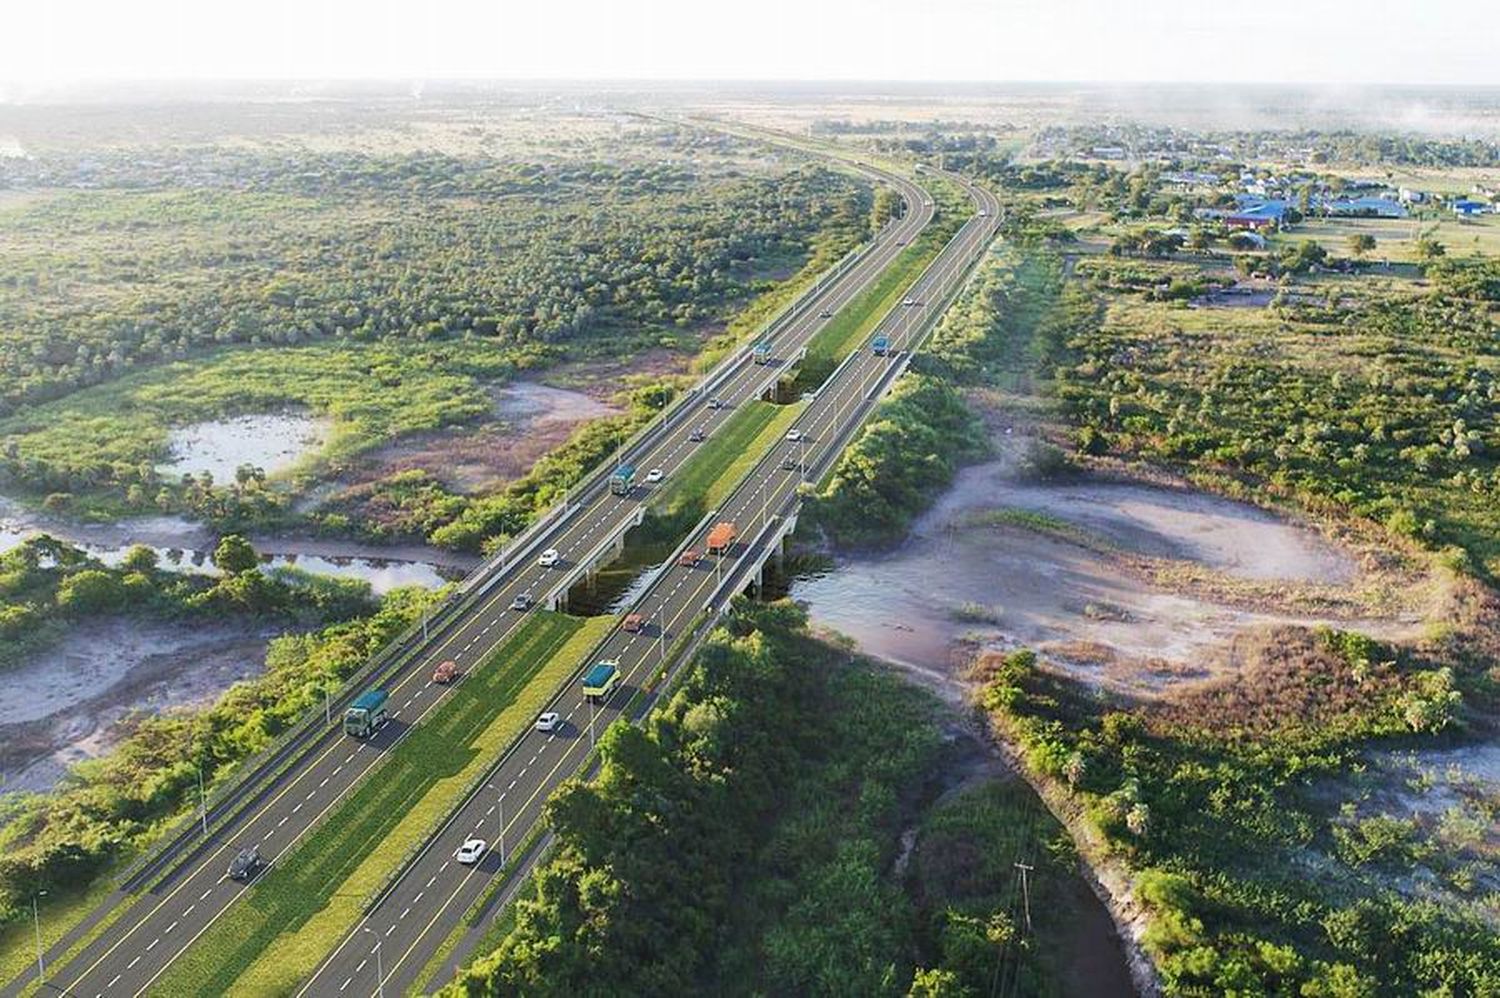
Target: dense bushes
(262,248)
(905,455)
(1219,799)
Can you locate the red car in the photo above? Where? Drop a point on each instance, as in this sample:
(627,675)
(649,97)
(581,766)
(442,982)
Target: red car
(446,672)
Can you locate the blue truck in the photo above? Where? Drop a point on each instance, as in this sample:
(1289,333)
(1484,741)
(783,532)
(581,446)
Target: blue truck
(621,481)
(601,680)
(762,353)
(881,345)
(366,714)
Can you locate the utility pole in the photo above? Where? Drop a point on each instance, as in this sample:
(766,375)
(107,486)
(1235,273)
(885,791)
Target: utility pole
(36,919)
(1026,891)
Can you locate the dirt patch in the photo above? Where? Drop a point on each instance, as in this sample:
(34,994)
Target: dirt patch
(1125,585)
(531,419)
(77,699)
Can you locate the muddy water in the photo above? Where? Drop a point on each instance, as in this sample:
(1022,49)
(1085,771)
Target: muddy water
(186,546)
(273,442)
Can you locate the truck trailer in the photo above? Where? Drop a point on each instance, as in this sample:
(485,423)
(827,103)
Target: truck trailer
(621,481)
(881,346)
(366,714)
(722,537)
(762,353)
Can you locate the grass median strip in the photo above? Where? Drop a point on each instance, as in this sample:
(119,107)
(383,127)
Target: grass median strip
(859,318)
(299,909)
(723,459)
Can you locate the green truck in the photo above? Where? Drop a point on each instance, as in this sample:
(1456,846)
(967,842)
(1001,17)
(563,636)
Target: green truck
(762,353)
(366,714)
(621,481)
(601,680)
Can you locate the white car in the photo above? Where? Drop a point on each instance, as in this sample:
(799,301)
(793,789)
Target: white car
(794,435)
(469,853)
(654,475)
(549,558)
(910,302)
(549,721)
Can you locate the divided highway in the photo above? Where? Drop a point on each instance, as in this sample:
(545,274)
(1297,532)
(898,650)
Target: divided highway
(427,903)
(132,952)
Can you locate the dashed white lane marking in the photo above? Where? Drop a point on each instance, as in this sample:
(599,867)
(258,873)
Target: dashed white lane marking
(361,965)
(112,983)
(323,784)
(283,820)
(418,898)
(346,983)
(132,963)
(189,910)
(390,930)
(169,928)
(152,944)
(297,808)
(432,880)
(205,894)
(406,911)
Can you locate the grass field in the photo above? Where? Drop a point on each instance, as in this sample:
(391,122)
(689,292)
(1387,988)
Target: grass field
(297,912)
(1395,238)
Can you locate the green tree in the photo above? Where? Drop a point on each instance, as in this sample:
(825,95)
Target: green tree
(235,555)
(139,558)
(1361,243)
(90,590)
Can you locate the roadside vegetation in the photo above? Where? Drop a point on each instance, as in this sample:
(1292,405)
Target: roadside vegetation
(728,847)
(904,456)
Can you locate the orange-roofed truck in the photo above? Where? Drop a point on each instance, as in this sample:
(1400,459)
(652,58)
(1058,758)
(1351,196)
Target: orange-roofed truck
(722,537)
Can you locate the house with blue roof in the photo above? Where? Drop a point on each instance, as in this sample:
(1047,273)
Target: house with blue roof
(1468,208)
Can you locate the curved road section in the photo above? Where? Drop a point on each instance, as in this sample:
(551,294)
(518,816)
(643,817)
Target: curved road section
(427,903)
(274,813)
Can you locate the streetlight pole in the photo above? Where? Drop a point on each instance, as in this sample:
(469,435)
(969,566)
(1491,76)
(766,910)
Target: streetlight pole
(502,829)
(327,706)
(379,968)
(202,801)
(36,919)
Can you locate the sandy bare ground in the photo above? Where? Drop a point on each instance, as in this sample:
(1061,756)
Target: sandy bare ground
(530,420)
(1129,586)
(74,701)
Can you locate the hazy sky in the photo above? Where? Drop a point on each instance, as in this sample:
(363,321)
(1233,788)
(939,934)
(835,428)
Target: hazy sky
(1340,41)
